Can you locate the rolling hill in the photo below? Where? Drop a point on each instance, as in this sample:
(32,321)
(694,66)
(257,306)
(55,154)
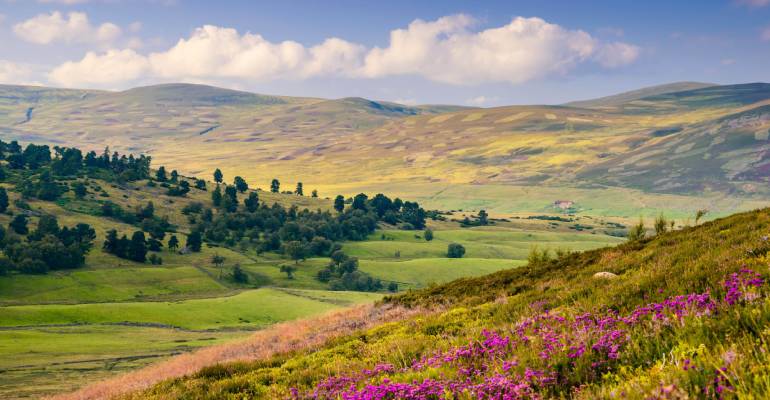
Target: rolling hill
(678,315)
(716,136)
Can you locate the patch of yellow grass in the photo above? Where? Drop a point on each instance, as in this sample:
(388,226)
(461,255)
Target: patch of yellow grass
(473,117)
(514,117)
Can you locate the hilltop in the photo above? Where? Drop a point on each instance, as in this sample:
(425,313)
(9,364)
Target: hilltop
(717,133)
(671,316)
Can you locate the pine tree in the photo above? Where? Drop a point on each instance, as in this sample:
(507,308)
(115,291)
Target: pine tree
(339,203)
(173,243)
(216,196)
(275,186)
(3,200)
(137,249)
(194,241)
(218,176)
(299,191)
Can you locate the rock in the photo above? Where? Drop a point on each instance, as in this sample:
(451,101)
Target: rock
(604,275)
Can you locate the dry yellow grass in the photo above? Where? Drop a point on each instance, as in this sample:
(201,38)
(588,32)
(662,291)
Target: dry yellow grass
(280,338)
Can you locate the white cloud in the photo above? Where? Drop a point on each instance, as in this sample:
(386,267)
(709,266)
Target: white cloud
(65,2)
(135,26)
(72,28)
(480,101)
(101,70)
(616,54)
(446,50)
(12,73)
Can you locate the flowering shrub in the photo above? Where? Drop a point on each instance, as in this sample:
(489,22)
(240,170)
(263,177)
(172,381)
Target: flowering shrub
(540,355)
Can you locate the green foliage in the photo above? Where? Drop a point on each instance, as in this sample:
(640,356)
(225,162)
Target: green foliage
(3,200)
(661,224)
(428,235)
(240,184)
(637,232)
(218,177)
(275,186)
(339,203)
(455,250)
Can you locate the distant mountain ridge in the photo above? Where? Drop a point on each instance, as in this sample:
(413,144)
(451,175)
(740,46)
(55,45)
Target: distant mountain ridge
(684,137)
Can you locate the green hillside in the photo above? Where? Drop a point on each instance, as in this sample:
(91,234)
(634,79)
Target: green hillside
(682,314)
(87,260)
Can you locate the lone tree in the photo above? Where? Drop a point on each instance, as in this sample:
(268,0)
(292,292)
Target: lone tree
(339,203)
(174,176)
(288,269)
(428,235)
(483,217)
(299,191)
(218,176)
(275,186)
(200,184)
(314,193)
(194,241)
(455,250)
(240,184)
(173,243)
(218,262)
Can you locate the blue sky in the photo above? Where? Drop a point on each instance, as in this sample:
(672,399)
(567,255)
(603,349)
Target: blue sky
(483,53)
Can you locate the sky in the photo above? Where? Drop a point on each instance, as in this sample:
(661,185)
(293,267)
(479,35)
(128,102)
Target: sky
(478,53)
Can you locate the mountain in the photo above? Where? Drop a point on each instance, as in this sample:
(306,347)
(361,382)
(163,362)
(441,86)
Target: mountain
(678,315)
(683,138)
(625,97)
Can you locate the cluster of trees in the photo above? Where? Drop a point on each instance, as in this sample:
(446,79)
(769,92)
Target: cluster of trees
(482,219)
(138,246)
(342,274)
(409,214)
(47,248)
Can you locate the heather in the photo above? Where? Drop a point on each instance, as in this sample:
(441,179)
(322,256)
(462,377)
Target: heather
(686,317)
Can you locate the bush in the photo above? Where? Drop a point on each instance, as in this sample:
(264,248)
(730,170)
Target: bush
(455,250)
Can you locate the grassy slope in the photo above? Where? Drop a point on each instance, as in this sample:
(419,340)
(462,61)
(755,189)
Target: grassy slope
(489,149)
(693,260)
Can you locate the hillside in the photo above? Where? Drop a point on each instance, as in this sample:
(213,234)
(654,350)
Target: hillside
(678,315)
(100,273)
(718,134)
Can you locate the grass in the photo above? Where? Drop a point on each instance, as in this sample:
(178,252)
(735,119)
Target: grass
(426,271)
(108,285)
(491,244)
(553,303)
(247,310)
(40,361)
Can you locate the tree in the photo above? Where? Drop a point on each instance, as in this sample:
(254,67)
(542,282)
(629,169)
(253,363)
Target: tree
(218,262)
(637,232)
(428,234)
(80,190)
(174,176)
(218,176)
(393,287)
(161,174)
(19,224)
(239,276)
(252,202)
(173,243)
(295,249)
(200,184)
(661,224)
(359,202)
(216,196)
(314,193)
(240,184)
(275,186)
(483,218)
(137,249)
(455,250)
(194,241)
(700,214)
(298,191)
(339,203)
(288,269)
(3,200)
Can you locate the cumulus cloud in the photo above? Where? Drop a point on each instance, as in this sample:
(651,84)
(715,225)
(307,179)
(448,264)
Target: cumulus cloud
(73,27)
(12,73)
(446,50)
(480,101)
(101,70)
